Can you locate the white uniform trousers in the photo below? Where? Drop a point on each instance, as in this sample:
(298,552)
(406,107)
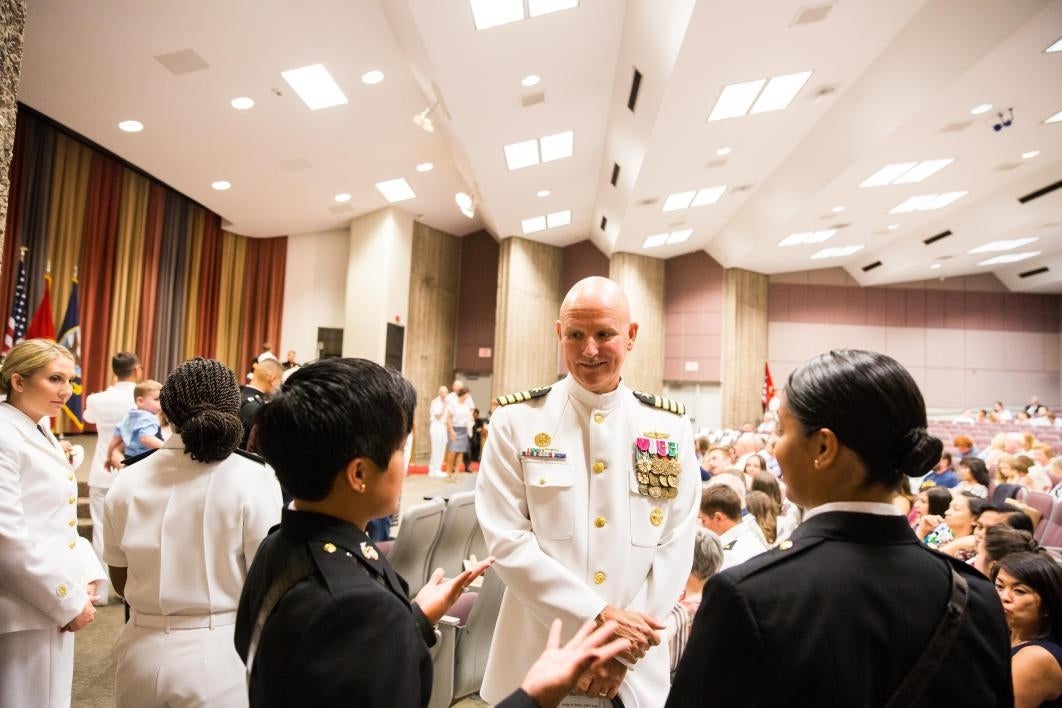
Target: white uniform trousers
(36,668)
(179,668)
(97,495)
(438,446)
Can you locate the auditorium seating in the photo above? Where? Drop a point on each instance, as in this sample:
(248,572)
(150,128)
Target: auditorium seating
(1043,503)
(1052,533)
(459,531)
(417,535)
(982,433)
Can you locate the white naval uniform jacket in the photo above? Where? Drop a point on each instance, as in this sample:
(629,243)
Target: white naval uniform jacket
(574,535)
(44,563)
(106,409)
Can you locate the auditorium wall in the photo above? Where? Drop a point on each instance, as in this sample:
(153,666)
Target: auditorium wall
(315,287)
(967,341)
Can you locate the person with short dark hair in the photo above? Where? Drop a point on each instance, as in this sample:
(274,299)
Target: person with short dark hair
(721,514)
(853,580)
(942,474)
(324,620)
(973,477)
(182,523)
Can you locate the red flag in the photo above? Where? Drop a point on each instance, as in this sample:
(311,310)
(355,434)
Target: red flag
(768,387)
(43,325)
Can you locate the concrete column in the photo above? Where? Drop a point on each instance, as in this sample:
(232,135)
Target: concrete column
(434,286)
(12,23)
(642,278)
(529,297)
(378,273)
(744,345)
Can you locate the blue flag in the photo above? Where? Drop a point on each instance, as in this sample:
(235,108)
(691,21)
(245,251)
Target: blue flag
(70,337)
(19,317)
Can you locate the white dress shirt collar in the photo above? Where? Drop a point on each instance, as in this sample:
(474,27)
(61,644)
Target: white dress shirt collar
(597,401)
(877,508)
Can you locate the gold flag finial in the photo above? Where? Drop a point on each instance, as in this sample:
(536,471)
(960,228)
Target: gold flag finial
(23,250)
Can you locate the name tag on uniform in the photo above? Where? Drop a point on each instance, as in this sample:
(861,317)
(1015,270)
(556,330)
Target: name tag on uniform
(656,466)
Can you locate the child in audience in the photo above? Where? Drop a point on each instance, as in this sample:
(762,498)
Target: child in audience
(139,430)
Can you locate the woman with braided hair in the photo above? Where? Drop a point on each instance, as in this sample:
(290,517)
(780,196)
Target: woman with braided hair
(181,526)
(852,609)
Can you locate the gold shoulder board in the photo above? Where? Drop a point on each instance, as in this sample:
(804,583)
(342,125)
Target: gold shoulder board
(522,396)
(664,404)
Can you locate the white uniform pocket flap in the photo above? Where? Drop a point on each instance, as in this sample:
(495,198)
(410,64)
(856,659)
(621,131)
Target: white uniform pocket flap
(542,474)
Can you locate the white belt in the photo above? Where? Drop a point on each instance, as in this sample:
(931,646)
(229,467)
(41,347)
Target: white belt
(169,622)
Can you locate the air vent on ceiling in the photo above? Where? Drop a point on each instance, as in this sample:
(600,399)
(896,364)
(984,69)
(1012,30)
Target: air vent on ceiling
(1040,192)
(604,222)
(183,62)
(615,173)
(1034,271)
(296,163)
(813,13)
(648,202)
(957,126)
(636,83)
(533,98)
(934,239)
(740,188)
(340,208)
(718,162)
(823,92)
(945,258)
(871,266)
(1007,166)
(840,226)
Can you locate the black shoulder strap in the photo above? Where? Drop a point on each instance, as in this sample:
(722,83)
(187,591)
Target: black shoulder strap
(287,580)
(914,684)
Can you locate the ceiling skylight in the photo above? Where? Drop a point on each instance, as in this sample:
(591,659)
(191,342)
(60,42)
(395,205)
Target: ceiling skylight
(1009,258)
(1056,47)
(536,8)
(535,223)
(758,96)
(837,252)
(802,237)
(546,149)
(396,190)
(655,240)
(1004,245)
(693,198)
(927,202)
(905,172)
(315,86)
(492,13)
(679,236)
(549,221)
(1055,118)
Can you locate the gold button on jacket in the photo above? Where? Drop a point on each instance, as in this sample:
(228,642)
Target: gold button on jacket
(599,577)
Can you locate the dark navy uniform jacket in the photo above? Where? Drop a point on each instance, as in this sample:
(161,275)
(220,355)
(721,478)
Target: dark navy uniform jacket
(345,635)
(839,618)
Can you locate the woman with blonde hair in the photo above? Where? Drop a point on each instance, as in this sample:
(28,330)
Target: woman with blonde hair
(764,510)
(49,572)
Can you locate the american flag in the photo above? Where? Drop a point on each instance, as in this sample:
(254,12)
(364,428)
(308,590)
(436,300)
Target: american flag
(17,320)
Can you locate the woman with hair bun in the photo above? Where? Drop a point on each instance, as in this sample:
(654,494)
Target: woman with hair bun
(181,526)
(862,613)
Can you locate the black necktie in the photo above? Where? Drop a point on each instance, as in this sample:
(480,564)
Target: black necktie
(41,431)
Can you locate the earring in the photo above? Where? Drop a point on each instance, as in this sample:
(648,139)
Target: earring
(816,462)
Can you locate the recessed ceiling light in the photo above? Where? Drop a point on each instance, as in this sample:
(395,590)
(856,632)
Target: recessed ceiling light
(535,223)
(1029,155)
(372,77)
(558,218)
(655,240)
(679,236)
(530,80)
(708,195)
(837,252)
(679,200)
(463,200)
(736,100)
(892,227)
(1009,258)
(242,103)
(491,13)
(542,193)
(315,86)
(131,126)
(723,151)
(1056,47)
(905,172)
(221,185)
(1005,245)
(557,146)
(470,213)
(342,197)
(926,202)
(425,167)
(396,190)
(780,92)
(1054,119)
(535,8)
(838,209)
(802,237)
(935,266)
(983,108)
(521,154)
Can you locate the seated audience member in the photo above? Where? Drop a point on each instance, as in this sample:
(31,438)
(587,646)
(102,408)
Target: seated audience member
(707,558)
(754,464)
(973,477)
(852,424)
(929,502)
(1055,472)
(789,514)
(140,430)
(323,619)
(290,362)
(904,499)
(942,475)
(964,444)
(1010,467)
(718,459)
(769,423)
(991,515)
(1021,517)
(763,509)
(1000,412)
(265,381)
(1030,588)
(1001,540)
(958,522)
(721,514)
(1041,454)
(180,528)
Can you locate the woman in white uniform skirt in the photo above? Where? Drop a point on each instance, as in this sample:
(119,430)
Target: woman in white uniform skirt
(181,527)
(48,573)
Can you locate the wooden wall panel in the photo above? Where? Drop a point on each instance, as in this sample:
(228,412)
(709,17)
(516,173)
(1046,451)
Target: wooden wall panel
(642,278)
(744,345)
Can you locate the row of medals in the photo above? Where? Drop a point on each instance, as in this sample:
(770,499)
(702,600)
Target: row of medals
(657,476)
